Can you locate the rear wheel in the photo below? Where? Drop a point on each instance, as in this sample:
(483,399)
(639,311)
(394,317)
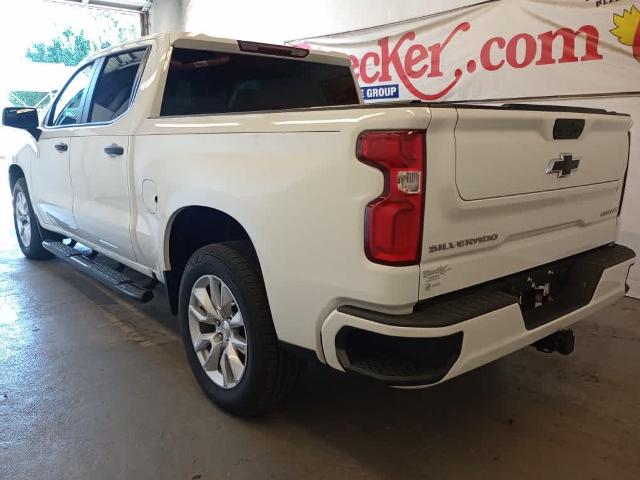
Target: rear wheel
(228,333)
(28,232)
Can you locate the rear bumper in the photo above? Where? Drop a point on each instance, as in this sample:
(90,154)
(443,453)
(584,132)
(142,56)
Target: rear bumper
(458,332)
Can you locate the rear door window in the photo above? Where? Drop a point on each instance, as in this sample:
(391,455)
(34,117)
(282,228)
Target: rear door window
(205,82)
(115,86)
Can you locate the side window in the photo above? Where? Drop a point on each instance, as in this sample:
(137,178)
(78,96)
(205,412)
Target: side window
(67,109)
(115,86)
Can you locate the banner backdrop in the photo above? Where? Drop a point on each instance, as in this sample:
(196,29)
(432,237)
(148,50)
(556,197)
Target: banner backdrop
(533,50)
(498,50)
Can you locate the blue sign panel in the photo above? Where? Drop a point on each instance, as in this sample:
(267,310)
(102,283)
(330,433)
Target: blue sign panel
(381,92)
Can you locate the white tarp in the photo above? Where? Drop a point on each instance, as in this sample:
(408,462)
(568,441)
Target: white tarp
(563,51)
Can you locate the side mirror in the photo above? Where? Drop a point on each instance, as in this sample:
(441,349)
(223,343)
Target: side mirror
(23,118)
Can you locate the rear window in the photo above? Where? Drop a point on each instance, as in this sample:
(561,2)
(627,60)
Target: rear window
(205,82)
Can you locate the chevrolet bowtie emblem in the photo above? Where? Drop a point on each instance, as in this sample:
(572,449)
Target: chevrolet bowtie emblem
(563,166)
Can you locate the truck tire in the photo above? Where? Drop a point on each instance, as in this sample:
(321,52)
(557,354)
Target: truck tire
(28,231)
(228,332)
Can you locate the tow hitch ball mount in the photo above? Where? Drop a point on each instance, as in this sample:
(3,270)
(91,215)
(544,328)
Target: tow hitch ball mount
(561,341)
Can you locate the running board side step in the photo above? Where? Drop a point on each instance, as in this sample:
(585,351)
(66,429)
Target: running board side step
(104,274)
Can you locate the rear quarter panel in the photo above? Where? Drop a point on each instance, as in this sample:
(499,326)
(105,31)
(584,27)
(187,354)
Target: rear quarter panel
(292,181)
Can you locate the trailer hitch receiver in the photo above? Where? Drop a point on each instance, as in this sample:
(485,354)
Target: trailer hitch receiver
(561,341)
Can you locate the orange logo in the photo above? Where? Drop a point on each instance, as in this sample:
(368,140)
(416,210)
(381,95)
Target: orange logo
(628,29)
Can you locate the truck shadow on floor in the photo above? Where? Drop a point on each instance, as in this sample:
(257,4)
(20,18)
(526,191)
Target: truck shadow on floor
(404,433)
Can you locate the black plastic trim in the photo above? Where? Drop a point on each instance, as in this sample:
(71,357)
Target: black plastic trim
(416,103)
(556,108)
(271,49)
(398,361)
(444,311)
(410,104)
(568,128)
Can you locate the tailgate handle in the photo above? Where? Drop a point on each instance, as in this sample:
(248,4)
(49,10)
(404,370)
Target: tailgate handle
(568,128)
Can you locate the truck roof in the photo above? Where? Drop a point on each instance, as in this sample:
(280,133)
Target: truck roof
(201,41)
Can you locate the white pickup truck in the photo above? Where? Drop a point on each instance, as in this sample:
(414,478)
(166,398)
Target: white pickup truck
(407,242)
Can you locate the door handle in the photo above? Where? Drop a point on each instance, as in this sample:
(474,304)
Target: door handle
(61,147)
(114,150)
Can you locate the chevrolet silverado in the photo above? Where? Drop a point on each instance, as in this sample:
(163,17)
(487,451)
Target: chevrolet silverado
(408,242)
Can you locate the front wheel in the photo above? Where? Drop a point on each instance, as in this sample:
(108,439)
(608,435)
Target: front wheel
(26,224)
(228,333)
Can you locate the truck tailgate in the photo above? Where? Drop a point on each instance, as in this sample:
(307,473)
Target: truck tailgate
(511,153)
(526,187)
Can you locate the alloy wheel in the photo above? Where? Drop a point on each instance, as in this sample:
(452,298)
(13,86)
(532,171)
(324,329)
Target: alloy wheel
(23,221)
(217,331)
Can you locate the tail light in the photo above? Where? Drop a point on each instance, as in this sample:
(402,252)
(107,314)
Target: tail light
(393,221)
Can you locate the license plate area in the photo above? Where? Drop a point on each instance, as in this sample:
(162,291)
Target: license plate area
(536,288)
(552,291)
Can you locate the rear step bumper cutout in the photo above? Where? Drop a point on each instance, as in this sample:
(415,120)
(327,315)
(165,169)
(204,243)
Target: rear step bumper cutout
(397,361)
(104,274)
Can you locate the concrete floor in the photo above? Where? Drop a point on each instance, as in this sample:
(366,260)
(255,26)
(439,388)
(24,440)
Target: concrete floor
(94,386)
